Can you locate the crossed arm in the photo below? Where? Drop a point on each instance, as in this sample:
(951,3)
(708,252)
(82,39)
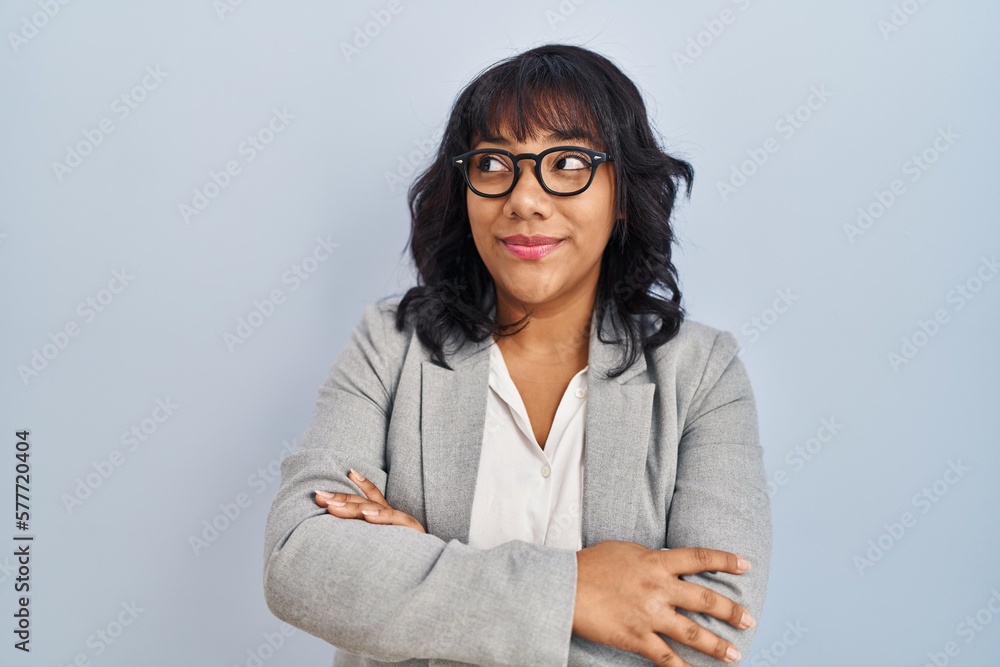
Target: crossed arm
(390,592)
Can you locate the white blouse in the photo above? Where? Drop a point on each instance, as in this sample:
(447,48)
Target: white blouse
(522,491)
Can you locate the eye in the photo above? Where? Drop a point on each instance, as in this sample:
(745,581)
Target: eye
(491,162)
(572,161)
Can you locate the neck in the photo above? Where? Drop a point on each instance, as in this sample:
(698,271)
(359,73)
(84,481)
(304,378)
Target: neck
(556,334)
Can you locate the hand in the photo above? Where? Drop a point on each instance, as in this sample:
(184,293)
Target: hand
(373,508)
(626,593)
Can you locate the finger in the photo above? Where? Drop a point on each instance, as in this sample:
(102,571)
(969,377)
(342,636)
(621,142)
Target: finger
(694,597)
(684,630)
(375,513)
(367,487)
(659,651)
(393,518)
(692,560)
(323,498)
(353,510)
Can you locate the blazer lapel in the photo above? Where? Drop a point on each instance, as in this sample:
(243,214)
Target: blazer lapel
(617,432)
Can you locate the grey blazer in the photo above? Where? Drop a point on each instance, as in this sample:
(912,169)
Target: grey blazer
(671,459)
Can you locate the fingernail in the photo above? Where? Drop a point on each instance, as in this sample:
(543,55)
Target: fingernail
(325,494)
(357,475)
(732,653)
(369,512)
(747,620)
(742,563)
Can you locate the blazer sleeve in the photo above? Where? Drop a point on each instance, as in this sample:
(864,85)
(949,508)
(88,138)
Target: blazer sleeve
(720,498)
(391,593)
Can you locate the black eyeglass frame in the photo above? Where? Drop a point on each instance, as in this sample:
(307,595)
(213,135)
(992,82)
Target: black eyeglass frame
(597,158)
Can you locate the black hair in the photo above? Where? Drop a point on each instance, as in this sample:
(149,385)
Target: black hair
(576,92)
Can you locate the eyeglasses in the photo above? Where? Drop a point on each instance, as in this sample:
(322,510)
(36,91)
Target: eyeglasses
(561,170)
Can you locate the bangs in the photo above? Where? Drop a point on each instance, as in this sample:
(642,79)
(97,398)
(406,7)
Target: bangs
(510,109)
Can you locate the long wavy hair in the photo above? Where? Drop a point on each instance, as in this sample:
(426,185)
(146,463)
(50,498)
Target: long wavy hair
(554,87)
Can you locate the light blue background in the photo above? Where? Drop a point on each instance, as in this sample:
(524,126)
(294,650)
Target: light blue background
(358,119)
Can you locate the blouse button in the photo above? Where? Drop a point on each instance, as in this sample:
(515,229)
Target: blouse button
(581,392)
(546,471)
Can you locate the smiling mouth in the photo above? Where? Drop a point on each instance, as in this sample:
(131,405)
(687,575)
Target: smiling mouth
(534,239)
(531,251)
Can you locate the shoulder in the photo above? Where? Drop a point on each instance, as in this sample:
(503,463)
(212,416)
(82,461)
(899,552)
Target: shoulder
(380,316)
(375,350)
(698,356)
(377,328)
(697,342)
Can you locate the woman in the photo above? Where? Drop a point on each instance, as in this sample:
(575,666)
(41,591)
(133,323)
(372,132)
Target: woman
(525,499)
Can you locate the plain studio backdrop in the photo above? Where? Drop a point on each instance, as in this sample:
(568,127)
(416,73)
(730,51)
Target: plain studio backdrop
(201,197)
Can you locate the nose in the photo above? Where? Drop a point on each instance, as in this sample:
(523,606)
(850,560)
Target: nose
(528,199)
(526,170)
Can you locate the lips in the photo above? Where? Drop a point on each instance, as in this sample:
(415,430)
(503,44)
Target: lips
(534,240)
(532,251)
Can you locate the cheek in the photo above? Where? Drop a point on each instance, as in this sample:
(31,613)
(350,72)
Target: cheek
(594,223)
(480,223)
(481,211)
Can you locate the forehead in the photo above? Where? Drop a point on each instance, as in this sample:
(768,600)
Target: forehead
(553,138)
(550,118)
